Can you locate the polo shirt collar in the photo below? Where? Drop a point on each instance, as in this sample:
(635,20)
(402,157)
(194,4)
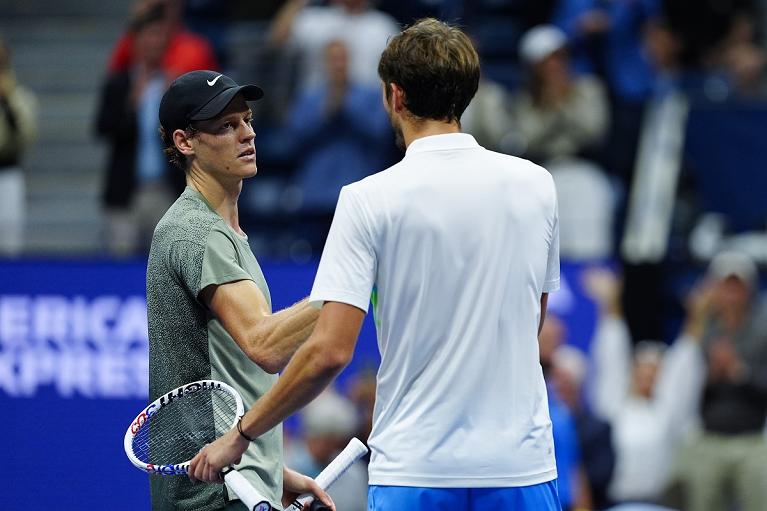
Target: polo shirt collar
(448,141)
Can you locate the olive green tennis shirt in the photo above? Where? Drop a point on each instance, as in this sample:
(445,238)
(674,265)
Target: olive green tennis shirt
(193,248)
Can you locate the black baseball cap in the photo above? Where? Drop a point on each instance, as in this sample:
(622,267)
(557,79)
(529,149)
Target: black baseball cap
(198,96)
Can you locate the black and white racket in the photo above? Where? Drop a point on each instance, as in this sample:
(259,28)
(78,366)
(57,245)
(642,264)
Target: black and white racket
(168,433)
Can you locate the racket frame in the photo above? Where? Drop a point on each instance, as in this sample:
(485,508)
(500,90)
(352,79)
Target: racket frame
(142,420)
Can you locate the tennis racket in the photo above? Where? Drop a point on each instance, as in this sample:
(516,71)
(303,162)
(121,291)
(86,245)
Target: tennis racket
(168,433)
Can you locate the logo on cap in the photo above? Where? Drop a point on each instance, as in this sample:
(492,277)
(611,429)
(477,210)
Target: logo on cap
(213,81)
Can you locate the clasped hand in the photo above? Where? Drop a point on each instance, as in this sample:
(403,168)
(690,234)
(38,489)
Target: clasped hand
(208,464)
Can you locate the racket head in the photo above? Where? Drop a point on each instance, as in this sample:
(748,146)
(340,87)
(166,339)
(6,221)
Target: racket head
(167,434)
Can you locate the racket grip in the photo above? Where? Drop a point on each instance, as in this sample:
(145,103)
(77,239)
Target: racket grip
(353,451)
(249,496)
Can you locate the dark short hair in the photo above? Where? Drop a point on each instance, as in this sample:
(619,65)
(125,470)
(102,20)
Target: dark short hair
(436,66)
(174,156)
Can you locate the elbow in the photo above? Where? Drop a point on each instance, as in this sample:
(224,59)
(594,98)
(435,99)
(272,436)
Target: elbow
(337,360)
(265,360)
(261,350)
(268,362)
(329,359)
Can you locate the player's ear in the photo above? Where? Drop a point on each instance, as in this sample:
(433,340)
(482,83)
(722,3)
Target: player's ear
(183,142)
(397,97)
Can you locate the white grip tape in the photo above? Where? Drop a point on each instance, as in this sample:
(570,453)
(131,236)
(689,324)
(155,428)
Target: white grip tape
(245,491)
(353,451)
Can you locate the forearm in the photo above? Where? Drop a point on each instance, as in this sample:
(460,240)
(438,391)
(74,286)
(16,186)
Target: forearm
(680,382)
(283,22)
(311,370)
(282,333)
(25,109)
(612,366)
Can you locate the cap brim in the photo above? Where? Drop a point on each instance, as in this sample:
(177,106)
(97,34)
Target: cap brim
(217,105)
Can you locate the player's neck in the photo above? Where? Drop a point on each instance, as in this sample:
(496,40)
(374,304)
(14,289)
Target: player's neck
(222,197)
(412,131)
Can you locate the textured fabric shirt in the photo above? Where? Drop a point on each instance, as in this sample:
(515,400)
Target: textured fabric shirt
(460,243)
(193,248)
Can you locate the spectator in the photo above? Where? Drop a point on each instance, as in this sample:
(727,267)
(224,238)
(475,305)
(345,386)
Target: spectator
(571,477)
(329,422)
(140,184)
(730,456)
(487,117)
(18,125)
(569,368)
(309,29)
(559,114)
(559,120)
(742,59)
(362,393)
(649,398)
(607,39)
(340,131)
(184,51)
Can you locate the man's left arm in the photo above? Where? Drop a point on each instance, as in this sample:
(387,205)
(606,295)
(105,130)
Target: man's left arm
(313,367)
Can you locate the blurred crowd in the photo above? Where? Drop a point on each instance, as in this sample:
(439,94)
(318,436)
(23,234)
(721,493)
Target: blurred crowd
(596,91)
(680,426)
(647,114)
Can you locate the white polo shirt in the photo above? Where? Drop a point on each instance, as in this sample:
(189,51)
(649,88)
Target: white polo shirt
(456,244)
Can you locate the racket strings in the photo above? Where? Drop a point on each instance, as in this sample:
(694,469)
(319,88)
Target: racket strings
(177,431)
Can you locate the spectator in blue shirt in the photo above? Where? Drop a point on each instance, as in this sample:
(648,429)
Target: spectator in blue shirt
(340,131)
(572,482)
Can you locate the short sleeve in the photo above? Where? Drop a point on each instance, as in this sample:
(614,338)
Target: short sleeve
(552,265)
(221,263)
(348,265)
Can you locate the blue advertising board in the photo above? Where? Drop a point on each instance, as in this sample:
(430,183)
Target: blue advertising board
(74,371)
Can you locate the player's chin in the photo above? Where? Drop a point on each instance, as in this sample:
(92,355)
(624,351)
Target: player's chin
(251,171)
(248,167)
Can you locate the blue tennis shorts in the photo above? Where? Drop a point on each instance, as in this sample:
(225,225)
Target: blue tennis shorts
(538,497)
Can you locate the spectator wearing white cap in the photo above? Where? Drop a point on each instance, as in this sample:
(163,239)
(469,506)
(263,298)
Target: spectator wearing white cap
(559,120)
(558,114)
(729,459)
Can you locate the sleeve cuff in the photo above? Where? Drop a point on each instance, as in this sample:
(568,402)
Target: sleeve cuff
(217,280)
(550,285)
(318,299)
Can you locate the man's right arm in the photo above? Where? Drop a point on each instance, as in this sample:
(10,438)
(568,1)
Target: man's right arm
(267,339)
(281,27)
(544,306)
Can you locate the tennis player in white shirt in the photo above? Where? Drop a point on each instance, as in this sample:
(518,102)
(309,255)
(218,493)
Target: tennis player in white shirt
(458,246)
